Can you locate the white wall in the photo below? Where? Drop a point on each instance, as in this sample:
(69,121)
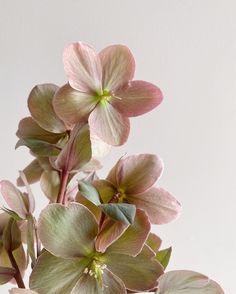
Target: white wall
(186,47)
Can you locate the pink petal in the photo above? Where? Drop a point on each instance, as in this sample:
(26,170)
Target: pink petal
(83,68)
(136,173)
(73,106)
(13,198)
(29,129)
(138,273)
(106,190)
(183,281)
(133,239)
(110,284)
(110,232)
(118,66)
(138,98)
(159,204)
(109,125)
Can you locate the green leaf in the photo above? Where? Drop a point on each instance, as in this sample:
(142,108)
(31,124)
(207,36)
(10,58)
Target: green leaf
(6,274)
(89,192)
(163,256)
(122,212)
(40,148)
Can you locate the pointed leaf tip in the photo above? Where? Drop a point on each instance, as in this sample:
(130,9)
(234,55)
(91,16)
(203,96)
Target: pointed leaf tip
(122,212)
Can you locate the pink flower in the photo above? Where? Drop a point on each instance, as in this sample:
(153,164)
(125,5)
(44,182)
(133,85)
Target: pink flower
(101,91)
(131,181)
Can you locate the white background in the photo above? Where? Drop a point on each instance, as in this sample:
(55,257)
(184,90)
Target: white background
(187,48)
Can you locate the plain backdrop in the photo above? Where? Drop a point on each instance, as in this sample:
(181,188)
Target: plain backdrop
(188,49)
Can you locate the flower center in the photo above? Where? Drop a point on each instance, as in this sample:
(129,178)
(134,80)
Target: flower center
(122,196)
(96,270)
(105,96)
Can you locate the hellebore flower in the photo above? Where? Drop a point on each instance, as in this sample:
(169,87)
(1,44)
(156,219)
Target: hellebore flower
(101,91)
(185,282)
(71,263)
(131,181)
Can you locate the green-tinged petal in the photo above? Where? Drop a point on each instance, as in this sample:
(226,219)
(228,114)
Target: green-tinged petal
(109,284)
(77,152)
(83,67)
(29,196)
(122,212)
(163,256)
(6,274)
(106,190)
(30,238)
(45,163)
(99,147)
(185,282)
(154,242)
(67,231)
(137,98)
(110,231)
(41,109)
(133,239)
(54,275)
(136,173)
(109,124)
(21,291)
(13,198)
(39,148)
(32,172)
(92,207)
(138,273)
(50,184)
(159,204)
(4,219)
(92,166)
(73,106)
(29,129)
(118,66)
(112,284)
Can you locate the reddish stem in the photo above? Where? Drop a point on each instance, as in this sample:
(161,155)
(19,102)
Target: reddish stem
(61,195)
(17,276)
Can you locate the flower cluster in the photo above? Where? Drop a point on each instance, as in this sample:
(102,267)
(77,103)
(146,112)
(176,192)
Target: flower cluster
(94,236)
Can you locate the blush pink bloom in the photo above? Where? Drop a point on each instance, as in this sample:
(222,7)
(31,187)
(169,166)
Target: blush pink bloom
(101,91)
(131,181)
